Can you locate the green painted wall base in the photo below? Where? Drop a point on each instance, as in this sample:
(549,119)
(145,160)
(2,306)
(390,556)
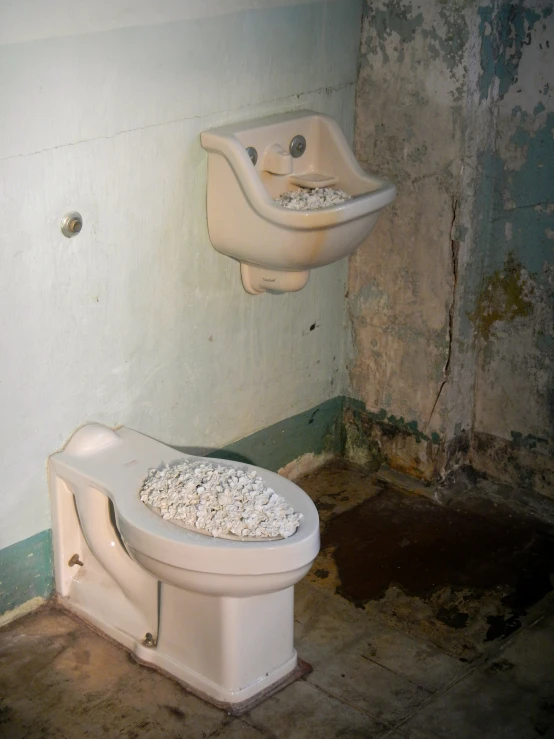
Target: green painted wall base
(372,439)
(318,431)
(26,571)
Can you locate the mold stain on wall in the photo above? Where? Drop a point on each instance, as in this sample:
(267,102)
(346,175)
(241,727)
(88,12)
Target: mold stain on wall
(506,294)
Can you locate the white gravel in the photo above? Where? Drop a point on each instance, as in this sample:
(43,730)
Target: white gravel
(312,199)
(220,501)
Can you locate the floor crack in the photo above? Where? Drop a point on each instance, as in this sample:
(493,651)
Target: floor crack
(454,251)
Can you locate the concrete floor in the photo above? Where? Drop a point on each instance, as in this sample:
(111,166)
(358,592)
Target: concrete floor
(387,660)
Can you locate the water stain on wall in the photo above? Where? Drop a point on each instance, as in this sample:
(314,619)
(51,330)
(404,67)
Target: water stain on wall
(451,316)
(373,439)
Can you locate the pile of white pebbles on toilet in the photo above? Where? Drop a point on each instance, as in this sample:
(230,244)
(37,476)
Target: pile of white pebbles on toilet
(312,198)
(220,501)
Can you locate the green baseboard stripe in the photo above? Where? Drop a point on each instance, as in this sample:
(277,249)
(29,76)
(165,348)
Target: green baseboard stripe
(26,571)
(375,438)
(317,431)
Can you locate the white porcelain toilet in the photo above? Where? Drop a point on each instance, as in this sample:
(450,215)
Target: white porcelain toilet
(215,614)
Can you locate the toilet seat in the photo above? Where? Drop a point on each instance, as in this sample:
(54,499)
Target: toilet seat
(119,461)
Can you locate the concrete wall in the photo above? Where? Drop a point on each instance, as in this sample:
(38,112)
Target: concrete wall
(138,320)
(411,127)
(449,300)
(513,315)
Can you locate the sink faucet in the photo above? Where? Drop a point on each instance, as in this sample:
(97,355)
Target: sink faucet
(277,160)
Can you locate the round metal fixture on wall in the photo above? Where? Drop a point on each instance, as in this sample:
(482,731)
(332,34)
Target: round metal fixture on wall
(297,146)
(253,154)
(71,224)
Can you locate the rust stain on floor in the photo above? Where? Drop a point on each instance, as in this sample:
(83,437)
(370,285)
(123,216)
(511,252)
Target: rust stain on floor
(461,574)
(421,546)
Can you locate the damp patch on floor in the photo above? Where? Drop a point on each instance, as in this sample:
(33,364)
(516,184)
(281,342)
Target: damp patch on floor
(462,574)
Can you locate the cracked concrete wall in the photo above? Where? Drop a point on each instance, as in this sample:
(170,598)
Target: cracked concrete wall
(450,298)
(514,397)
(411,128)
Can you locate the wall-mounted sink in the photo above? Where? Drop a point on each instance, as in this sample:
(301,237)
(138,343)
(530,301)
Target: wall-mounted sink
(250,164)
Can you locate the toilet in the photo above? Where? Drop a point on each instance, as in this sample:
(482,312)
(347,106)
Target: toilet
(215,614)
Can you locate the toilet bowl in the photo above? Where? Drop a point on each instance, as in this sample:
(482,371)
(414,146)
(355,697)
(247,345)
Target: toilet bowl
(215,614)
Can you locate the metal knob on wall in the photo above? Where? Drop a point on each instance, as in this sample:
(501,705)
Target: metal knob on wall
(71,224)
(297,146)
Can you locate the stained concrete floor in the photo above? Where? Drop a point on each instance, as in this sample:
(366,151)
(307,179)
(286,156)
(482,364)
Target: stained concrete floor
(419,620)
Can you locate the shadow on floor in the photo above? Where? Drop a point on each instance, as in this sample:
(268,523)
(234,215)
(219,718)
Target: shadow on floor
(463,573)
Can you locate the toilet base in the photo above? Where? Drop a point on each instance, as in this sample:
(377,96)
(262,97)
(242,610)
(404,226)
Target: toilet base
(138,652)
(228,648)
(228,660)
(302,670)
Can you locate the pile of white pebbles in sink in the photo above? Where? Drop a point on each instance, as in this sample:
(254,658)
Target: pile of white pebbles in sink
(312,199)
(219,501)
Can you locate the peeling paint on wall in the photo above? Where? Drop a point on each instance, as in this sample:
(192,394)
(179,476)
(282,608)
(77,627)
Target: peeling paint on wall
(514,395)
(451,301)
(505,31)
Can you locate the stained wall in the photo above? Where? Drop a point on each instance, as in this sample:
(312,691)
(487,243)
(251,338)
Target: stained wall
(513,314)
(451,298)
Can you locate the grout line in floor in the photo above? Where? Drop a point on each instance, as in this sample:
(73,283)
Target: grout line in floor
(359,710)
(227,721)
(247,718)
(398,674)
(479,664)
